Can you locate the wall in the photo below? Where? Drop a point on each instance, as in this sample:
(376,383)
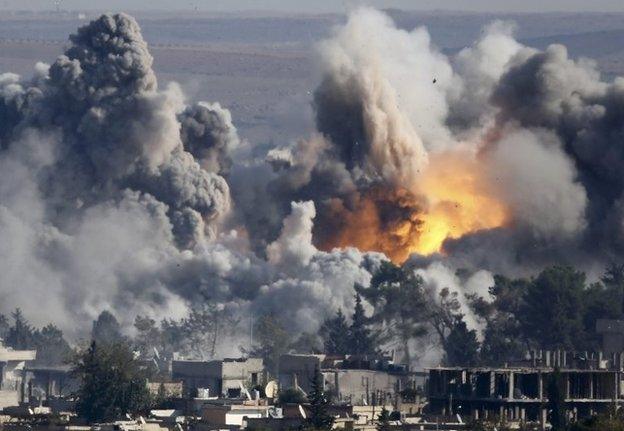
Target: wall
(298,370)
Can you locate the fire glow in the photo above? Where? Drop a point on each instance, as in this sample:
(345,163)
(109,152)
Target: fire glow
(452,198)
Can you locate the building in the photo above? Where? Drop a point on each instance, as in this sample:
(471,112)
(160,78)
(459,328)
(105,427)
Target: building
(225,378)
(236,414)
(45,382)
(519,394)
(12,362)
(352,379)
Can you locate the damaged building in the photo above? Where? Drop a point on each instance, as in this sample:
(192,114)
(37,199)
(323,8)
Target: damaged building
(357,380)
(12,362)
(592,383)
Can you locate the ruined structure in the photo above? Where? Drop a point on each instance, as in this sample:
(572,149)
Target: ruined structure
(592,383)
(11,364)
(358,380)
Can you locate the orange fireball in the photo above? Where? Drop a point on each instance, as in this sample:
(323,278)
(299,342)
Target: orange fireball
(451,198)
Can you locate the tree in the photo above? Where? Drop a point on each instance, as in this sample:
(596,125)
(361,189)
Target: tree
(397,294)
(20,336)
(271,340)
(443,314)
(599,301)
(172,337)
(319,418)
(308,342)
(383,420)
(106,329)
(556,402)
(335,334)
(552,315)
(462,346)
(203,327)
(52,347)
(5,327)
(291,396)
(503,338)
(361,342)
(112,383)
(148,338)
(613,278)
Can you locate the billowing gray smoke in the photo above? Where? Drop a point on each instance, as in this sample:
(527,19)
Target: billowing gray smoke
(541,133)
(112,192)
(118,195)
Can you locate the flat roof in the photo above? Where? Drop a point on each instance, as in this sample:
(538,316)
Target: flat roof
(522,369)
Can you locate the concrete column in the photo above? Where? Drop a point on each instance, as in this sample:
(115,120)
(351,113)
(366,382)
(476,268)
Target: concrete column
(492,383)
(510,394)
(540,386)
(567,384)
(591,385)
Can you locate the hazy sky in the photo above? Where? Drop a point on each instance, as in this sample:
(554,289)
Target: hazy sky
(324,5)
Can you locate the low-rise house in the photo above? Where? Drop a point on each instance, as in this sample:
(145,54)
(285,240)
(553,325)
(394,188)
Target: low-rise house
(236,414)
(12,362)
(357,380)
(226,378)
(45,382)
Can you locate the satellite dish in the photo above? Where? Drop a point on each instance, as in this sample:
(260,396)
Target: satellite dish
(271,389)
(302,411)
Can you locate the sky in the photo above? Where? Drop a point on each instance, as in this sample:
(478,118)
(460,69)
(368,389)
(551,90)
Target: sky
(323,5)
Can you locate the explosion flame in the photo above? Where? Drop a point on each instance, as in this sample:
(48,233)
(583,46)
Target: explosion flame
(452,198)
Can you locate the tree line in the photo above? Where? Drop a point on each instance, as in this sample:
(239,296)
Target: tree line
(557,309)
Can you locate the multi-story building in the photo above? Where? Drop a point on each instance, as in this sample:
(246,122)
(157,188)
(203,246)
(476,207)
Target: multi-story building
(590,384)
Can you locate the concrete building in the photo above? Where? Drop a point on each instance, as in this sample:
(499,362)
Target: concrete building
(236,414)
(351,379)
(12,362)
(218,378)
(519,394)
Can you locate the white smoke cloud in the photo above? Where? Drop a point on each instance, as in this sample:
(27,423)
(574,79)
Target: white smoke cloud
(480,66)
(294,248)
(538,180)
(438,276)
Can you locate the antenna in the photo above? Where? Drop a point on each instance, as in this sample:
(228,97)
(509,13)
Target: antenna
(245,391)
(251,332)
(302,412)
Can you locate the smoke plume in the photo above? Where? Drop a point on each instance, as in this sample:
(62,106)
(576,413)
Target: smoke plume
(118,195)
